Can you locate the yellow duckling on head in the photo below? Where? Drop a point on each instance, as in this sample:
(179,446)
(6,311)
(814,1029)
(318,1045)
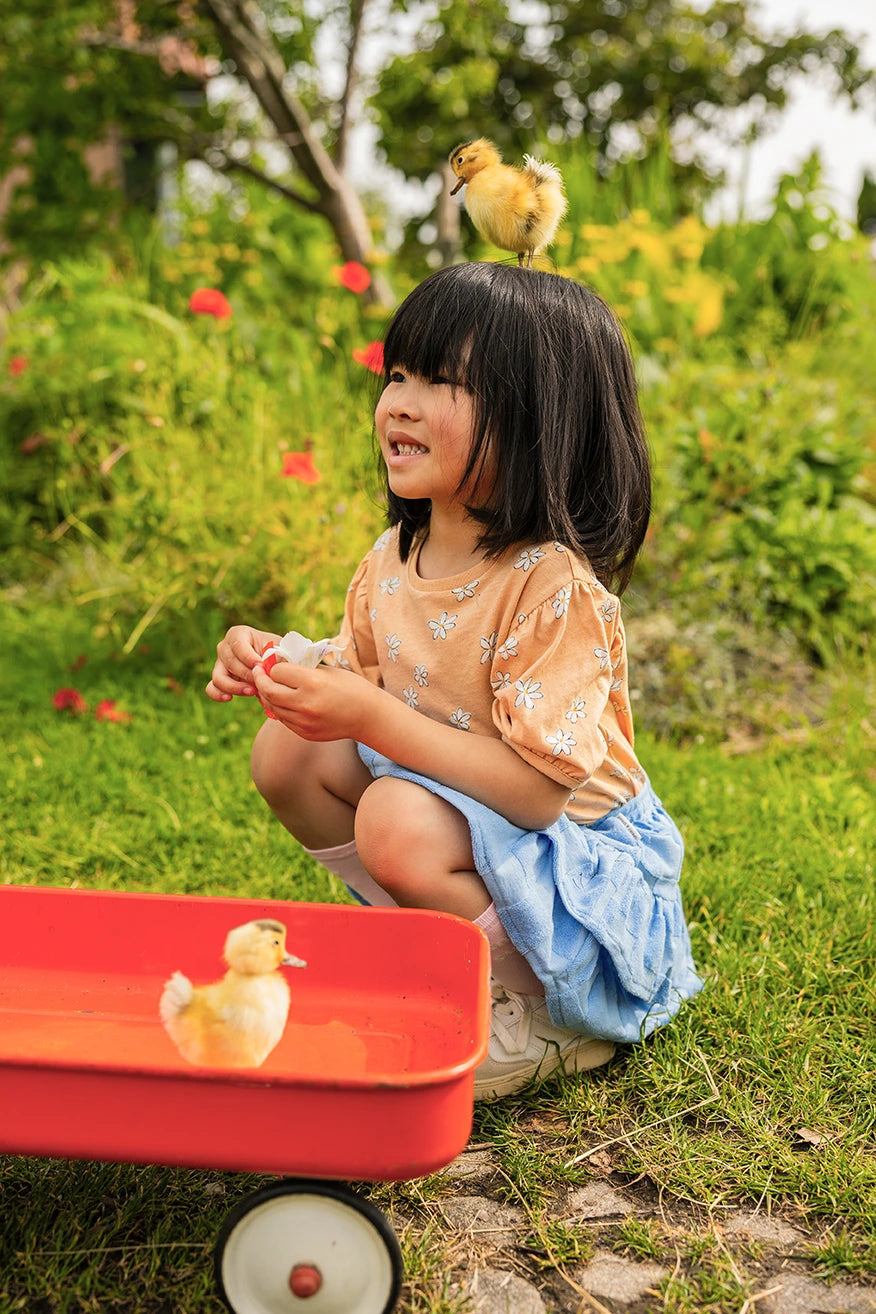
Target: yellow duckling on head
(238,1020)
(515,209)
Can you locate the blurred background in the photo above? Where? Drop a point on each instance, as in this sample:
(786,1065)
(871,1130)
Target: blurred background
(209,209)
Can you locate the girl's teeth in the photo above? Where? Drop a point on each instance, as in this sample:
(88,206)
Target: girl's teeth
(406,449)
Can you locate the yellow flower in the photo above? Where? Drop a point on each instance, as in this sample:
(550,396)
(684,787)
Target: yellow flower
(635,287)
(640,217)
(711,311)
(252,278)
(588,265)
(200,227)
(655,248)
(665,344)
(595,232)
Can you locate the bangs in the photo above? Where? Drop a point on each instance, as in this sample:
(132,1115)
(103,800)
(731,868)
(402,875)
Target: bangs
(432,333)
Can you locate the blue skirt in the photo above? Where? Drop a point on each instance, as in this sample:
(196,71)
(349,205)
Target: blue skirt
(596,909)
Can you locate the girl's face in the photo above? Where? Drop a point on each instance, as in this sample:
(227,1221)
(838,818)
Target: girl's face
(425,428)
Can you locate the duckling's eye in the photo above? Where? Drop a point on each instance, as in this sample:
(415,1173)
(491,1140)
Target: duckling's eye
(459,159)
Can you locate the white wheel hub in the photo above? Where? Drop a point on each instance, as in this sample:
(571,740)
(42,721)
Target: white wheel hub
(320,1246)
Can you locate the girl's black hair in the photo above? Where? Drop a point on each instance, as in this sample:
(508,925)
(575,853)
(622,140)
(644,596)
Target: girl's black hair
(555,404)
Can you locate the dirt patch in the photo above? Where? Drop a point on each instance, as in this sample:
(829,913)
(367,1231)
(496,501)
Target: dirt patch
(618,1246)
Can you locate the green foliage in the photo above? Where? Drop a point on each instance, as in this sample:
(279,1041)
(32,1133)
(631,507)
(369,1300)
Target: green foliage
(142,453)
(589,68)
(142,446)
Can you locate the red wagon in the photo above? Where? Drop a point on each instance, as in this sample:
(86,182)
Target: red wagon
(372,1080)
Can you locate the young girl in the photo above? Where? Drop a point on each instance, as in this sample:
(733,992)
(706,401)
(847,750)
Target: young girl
(471,749)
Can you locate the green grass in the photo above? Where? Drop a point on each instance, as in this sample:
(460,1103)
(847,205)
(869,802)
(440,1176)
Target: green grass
(780,895)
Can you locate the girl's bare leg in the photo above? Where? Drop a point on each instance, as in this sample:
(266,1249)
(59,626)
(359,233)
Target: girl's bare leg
(312,788)
(417,847)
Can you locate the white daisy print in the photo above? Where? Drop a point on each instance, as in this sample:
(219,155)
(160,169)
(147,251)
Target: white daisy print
(391,585)
(488,646)
(527,692)
(615,684)
(559,547)
(608,608)
(602,656)
(382,541)
(577,711)
(393,644)
(372,615)
(562,742)
(461,719)
(501,680)
(421,675)
(560,603)
(528,558)
(411,696)
(440,626)
(465,590)
(509,647)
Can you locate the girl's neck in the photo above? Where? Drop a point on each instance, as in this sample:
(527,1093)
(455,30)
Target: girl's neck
(450,547)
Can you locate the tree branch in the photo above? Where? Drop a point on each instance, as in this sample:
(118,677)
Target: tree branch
(351,82)
(229,164)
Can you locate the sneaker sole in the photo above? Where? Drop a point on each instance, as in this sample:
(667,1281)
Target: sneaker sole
(587,1054)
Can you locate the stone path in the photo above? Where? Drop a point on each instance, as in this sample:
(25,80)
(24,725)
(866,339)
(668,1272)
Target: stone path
(489,1264)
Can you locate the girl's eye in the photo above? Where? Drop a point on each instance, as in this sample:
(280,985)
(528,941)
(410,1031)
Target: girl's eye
(439,379)
(396,376)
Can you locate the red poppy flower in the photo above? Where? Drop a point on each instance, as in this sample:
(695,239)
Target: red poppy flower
(371,357)
(210,301)
(353,276)
(18,365)
(107,711)
(69,700)
(299,465)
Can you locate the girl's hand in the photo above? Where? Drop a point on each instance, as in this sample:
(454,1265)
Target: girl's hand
(237,654)
(327,703)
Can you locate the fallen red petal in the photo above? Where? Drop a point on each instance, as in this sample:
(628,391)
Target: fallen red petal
(69,700)
(108,711)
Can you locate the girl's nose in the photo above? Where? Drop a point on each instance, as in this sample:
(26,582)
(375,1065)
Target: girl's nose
(403,402)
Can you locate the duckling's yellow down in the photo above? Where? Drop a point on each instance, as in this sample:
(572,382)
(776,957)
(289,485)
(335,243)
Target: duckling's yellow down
(238,1020)
(515,209)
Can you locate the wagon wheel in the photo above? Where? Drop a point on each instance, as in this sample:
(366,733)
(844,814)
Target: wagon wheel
(301,1246)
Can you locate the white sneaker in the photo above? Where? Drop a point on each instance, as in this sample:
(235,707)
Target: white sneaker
(525,1045)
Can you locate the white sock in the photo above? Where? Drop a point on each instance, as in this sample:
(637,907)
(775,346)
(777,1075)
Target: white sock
(344,861)
(508,964)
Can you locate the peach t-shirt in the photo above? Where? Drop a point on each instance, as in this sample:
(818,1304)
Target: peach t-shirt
(528,648)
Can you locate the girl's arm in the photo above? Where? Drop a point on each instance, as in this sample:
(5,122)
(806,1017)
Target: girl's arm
(328,704)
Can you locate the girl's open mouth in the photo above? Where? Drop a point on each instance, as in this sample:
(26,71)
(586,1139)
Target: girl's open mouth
(406,449)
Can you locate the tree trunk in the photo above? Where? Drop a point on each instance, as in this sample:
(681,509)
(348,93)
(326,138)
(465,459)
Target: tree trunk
(245,39)
(449,240)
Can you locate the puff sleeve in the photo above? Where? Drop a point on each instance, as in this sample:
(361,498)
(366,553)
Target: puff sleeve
(356,636)
(552,676)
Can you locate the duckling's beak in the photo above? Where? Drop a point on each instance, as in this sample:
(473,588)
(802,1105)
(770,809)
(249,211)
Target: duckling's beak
(455,189)
(291,961)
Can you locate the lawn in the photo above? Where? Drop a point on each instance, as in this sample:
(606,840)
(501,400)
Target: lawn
(761,1092)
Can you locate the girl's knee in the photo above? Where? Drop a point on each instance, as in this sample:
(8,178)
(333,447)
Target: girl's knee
(405,834)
